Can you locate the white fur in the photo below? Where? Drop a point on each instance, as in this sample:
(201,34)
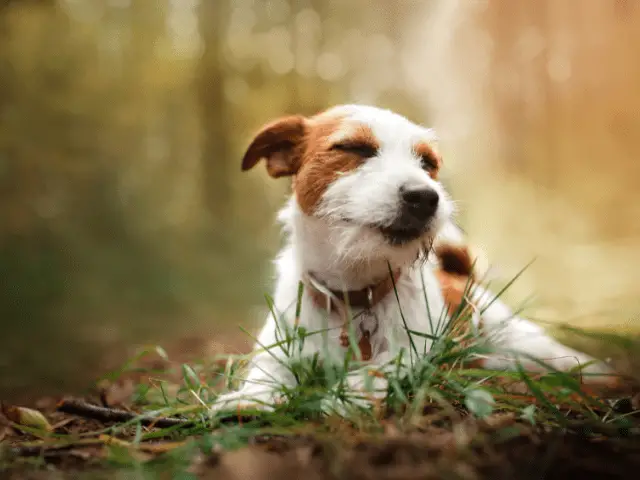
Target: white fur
(351,255)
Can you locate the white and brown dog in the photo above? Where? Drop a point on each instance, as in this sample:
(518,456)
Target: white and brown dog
(366,204)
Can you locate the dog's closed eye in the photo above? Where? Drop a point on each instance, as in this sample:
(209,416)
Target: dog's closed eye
(363,150)
(428,162)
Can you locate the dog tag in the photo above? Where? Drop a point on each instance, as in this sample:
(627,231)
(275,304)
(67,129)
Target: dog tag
(368,328)
(365,346)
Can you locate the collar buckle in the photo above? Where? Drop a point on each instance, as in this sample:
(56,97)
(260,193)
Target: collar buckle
(369,297)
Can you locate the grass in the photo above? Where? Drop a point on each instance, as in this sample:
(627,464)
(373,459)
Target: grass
(439,388)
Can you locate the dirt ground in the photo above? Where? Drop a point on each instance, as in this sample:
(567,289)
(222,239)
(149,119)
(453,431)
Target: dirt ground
(498,447)
(502,446)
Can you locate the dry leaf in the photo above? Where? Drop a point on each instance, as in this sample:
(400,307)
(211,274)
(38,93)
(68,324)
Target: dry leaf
(26,417)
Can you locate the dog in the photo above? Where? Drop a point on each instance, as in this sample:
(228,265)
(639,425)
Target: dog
(364,225)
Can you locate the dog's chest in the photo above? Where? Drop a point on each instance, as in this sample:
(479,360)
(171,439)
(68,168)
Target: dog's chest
(383,327)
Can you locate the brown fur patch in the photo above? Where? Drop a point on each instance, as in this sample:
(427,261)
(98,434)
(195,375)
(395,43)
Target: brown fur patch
(453,288)
(455,259)
(321,164)
(454,274)
(428,151)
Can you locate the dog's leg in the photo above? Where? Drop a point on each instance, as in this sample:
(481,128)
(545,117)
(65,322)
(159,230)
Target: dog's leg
(269,374)
(261,389)
(510,332)
(363,387)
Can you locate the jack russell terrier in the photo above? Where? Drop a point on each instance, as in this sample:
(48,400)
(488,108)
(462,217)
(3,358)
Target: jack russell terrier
(370,233)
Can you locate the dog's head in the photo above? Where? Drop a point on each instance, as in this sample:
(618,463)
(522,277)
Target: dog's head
(369,175)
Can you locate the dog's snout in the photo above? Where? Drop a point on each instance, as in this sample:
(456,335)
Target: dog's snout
(422,202)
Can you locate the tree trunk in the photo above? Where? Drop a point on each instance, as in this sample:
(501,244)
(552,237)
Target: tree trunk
(214,115)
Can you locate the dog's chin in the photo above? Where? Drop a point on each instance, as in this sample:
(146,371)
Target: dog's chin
(399,235)
(396,240)
(403,236)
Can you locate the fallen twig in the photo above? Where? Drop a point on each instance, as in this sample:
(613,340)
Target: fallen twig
(29,449)
(105,414)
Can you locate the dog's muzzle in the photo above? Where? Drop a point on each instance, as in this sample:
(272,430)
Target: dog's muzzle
(418,207)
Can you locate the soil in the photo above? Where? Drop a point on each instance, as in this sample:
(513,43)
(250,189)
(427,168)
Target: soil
(502,446)
(498,447)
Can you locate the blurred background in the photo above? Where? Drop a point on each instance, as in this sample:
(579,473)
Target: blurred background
(126,221)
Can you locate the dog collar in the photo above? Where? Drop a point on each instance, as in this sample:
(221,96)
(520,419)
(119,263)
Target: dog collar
(336,301)
(366,297)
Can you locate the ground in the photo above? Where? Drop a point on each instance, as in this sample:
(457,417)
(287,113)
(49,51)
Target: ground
(498,447)
(531,434)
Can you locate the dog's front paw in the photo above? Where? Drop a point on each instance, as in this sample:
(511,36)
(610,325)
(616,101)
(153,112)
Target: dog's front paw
(360,395)
(243,400)
(344,408)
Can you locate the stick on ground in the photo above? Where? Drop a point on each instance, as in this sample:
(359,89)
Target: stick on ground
(104,414)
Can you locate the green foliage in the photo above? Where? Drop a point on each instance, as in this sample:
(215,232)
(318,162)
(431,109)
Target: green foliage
(479,402)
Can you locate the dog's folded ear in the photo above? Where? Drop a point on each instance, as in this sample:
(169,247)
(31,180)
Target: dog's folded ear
(281,144)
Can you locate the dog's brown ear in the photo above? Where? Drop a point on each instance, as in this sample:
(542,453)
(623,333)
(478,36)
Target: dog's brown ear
(280,143)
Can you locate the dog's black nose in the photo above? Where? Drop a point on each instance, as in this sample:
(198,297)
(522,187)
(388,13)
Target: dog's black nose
(420,202)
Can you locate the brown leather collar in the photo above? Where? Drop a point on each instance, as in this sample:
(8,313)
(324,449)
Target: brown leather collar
(336,302)
(366,297)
